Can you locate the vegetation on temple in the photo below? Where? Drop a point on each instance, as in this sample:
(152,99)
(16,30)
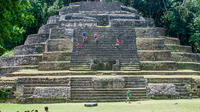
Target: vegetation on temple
(20,18)
(3,94)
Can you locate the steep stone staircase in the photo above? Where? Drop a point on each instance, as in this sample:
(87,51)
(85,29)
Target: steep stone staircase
(104,50)
(46,90)
(88,89)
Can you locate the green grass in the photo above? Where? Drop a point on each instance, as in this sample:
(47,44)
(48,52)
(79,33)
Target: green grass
(8,53)
(183,105)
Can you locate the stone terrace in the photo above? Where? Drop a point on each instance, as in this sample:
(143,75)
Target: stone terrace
(49,67)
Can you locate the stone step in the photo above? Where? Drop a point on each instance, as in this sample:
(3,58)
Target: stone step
(148,32)
(57,56)
(29,100)
(46,85)
(188,66)
(107,99)
(9,69)
(150,43)
(59,45)
(35,72)
(80,68)
(161,31)
(170,40)
(21,60)
(61,33)
(178,48)
(36,39)
(128,67)
(158,65)
(131,23)
(154,55)
(54,65)
(44,29)
(185,57)
(29,49)
(176,81)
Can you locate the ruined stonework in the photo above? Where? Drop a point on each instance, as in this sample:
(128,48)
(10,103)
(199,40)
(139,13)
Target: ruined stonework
(162,90)
(46,92)
(58,71)
(142,45)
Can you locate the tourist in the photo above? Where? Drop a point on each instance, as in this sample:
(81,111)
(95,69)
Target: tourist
(128,94)
(95,37)
(117,44)
(84,36)
(78,45)
(46,109)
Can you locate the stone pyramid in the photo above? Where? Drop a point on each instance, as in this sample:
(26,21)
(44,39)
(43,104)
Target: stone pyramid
(144,49)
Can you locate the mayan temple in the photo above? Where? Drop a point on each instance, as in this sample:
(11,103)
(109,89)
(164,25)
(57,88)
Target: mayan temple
(49,67)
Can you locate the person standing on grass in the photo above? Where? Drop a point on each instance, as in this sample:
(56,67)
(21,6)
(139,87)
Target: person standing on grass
(46,109)
(128,94)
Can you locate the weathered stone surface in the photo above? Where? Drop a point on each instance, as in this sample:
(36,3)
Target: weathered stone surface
(162,90)
(185,57)
(59,45)
(53,19)
(146,32)
(178,48)
(44,29)
(131,23)
(158,65)
(78,23)
(150,44)
(69,9)
(57,56)
(108,83)
(188,65)
(29,49)
(161,31)
(100,6)
(20,60)
(36,39)
(129,9)
(46,92)
(54,65)
(61,33)
(154,55)
(9,69)
(169,40)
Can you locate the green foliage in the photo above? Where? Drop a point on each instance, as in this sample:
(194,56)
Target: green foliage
(13,22)
(3,94)
(18,16)
(181,21)
(179,17)
(42,9)
(2,50)
(195,35)
(9,53)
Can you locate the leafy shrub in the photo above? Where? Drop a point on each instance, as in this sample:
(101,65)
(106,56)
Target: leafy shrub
(3,94)
(2,50)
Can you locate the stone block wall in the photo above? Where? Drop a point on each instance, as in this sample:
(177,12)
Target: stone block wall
(100,6)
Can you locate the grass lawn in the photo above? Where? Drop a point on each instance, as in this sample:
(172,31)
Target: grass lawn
(182,105)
